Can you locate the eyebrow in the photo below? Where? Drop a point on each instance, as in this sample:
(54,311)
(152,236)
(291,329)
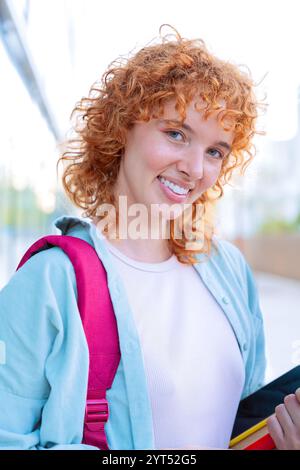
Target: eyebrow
(188,128)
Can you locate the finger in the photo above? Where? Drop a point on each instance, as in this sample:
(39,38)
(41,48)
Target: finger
(284,419)
(275,431)
(293,408)
(297,393)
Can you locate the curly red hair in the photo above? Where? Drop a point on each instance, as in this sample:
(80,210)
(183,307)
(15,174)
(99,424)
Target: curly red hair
(133,89)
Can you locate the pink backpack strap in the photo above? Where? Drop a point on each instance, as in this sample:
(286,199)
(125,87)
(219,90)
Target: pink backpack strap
(99,325)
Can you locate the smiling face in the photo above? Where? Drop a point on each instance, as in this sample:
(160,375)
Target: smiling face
(188,155)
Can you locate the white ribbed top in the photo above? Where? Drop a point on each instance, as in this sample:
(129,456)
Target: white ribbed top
(193,365)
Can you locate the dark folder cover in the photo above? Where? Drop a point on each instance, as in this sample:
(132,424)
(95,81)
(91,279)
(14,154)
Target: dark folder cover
(261,404)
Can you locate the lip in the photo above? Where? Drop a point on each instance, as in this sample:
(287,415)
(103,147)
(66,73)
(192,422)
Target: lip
(170,194)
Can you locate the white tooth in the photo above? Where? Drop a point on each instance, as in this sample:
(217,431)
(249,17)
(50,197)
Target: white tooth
(174,187)
(178,188)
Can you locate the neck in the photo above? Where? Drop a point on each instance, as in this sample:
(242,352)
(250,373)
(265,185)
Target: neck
(144,250)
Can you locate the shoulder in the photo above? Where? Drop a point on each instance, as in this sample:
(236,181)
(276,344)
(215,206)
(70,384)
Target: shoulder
(41,291)
(227,250)
(229,267)
(45,269)
(228,257)
(51,263)
(236,273)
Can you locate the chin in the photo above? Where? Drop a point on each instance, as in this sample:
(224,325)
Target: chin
(171,215)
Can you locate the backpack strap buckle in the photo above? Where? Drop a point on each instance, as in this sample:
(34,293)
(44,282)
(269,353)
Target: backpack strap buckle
(96,416)
(96,411)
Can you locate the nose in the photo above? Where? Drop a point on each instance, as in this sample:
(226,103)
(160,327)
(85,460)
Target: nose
(192,164)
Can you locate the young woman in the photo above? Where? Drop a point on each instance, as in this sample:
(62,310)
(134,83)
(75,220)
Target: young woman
(157,140)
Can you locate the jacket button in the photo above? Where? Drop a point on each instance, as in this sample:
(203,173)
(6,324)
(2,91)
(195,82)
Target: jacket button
(245,347)
(225,300)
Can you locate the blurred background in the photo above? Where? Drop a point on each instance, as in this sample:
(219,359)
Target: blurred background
(51,51)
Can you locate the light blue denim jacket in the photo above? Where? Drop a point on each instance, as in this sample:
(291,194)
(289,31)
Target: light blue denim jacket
(43,379)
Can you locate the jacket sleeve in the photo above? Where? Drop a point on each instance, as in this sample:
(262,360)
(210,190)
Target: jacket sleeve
(44,357)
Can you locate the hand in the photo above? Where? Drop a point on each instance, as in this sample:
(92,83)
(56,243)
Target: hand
(284,425)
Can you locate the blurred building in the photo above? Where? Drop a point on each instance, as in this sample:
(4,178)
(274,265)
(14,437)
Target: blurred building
(31,125)
(261,212)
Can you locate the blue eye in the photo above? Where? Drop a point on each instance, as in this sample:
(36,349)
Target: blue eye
(176,135)
(218,154)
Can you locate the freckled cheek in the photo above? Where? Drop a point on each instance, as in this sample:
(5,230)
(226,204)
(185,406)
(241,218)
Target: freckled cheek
(210,176)
(159,159)
(214,176)
(214,170)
